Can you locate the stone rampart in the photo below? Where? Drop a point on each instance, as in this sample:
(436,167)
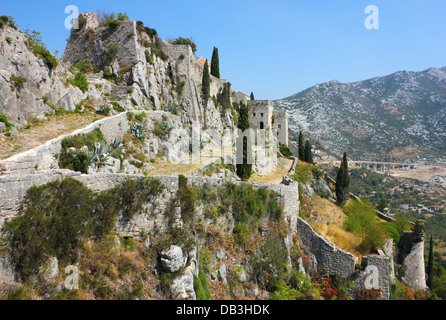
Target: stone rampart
(334,259)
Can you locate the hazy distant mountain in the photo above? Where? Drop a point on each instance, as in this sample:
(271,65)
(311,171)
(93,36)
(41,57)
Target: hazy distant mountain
(397,117)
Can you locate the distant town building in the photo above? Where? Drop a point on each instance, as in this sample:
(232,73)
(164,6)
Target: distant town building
(404,207)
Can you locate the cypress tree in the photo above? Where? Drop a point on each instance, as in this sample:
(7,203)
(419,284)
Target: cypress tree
(206,89)
(430,264)
(215,64)
(206,83)
(224,98)
(343,182)
(244,169)
(308,155)
(252,95)
(301,146)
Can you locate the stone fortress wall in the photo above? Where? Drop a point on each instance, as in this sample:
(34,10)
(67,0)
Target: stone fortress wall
(263,116)
(39,166)
(13,188)
(280,124)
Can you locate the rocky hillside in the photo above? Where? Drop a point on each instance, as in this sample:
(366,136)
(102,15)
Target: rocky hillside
(397,117)
(127,67)
(31,79)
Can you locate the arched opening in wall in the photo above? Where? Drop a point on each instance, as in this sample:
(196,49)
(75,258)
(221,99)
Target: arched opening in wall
(262,125)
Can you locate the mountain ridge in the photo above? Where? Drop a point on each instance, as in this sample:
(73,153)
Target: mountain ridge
(401,116)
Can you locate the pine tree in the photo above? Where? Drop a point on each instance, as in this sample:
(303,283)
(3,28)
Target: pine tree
(252,95)
(308,155)
(301,147)
(244,169)
(215,64)
(343,182)
(430,264)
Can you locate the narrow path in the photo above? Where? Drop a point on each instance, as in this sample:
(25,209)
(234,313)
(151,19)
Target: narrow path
(277,177)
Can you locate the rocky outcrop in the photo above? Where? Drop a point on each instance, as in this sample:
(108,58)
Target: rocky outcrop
(172,259)
(164,76)
(28,87)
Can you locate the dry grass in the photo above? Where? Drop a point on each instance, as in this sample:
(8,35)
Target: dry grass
(44,131)
(184,167)
(282,169)
(332,225)
(339,236)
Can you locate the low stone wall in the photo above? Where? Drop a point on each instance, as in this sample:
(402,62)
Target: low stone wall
(44,157)
(334,259)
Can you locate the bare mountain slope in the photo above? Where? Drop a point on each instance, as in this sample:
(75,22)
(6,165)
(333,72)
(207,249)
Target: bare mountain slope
(397,117)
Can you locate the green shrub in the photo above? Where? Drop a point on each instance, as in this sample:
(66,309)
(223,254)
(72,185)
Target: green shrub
(55,219)
(375,238)
(107,73)
(79,162)
(131,195)
(302,174)
(111,53)
(162,129)
(186,198)
(149,57)
(80,80)
(186,41)
(7,21)
(18,81)
(393,231)
(83,66)
(21,293)
(155,48)
(285,151)
(90,139)
(271,261)
(36,45)
(4,119)
(8,40)
(361,219)
(179,90)
(150,32)
(103,110)
(360,215)
(117,107)
(201,286)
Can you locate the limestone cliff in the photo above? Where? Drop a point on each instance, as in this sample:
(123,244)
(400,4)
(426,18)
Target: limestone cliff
(164,76)
(125,64)
(27,85)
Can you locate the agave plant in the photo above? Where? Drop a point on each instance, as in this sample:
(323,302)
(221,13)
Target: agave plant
(137,130)
(163,128)
(99,154)
(116,144)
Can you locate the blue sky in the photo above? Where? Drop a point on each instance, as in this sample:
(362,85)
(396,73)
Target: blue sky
(274,48)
